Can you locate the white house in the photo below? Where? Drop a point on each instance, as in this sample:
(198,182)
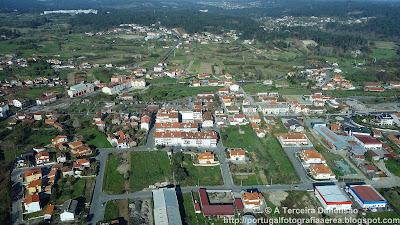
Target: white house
(207,120)
(68,210)
(61,157)
(234,86)
(206,158)
(145,123)
(19,103)
(237,155)
(116,88)
(4,110)
(46,100)
(321,172)
(311,156)
(206,139)
(253,201)
(32,203)
(42,157)
(138,83)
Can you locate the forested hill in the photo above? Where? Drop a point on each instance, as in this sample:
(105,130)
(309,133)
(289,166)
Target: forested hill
(196,22)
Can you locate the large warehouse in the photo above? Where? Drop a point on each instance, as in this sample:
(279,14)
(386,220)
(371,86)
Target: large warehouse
(166,207)
(332,197)
(366,196)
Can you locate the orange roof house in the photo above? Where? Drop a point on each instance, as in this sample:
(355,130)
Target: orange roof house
(206,158)
(253,201)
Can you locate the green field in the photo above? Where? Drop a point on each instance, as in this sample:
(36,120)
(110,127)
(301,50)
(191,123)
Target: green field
(98,140)
(255,88)
(201,175)
(73,188)
(111,211)
(189,216)
(114,181)
(148,168)
(393,166)
(271,158)
(163,80)
(167,93)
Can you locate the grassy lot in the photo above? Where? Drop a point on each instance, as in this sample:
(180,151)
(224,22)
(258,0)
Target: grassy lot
(385,44)
(280,158)
(393,165)
(202,175)
(114,180)
(111,211)
(73,188)
(294,200)
(188,214)
(255,88)
(271,158)
(391,214)
(247,180)
(148,168)
(344,94)
(162,80)
(43,137)
(99,140)
(171,92)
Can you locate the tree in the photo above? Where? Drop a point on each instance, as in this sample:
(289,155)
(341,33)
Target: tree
(76,123)
(368,156)
(180,174)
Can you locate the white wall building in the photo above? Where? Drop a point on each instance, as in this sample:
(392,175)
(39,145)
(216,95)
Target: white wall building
(332,197)
(366,196)
(207,139)
(80,89)
(68,210)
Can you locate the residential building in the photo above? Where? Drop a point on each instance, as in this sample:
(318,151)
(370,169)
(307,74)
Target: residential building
(292,138)
(206,158)
(208,120)
(60,139)
(253,201)
(34,174)
(42,157)
(384,119)
(176,126)
(81,151)
(274,109)
(49,212)
(4,110)
(116,88)
(46,100)
(321,172)
(68,210)
(61,157)
(311,156)
(34,186)
(237,154)
(186,139)
(166,207)
(32,203)
(145,122)
(332,197)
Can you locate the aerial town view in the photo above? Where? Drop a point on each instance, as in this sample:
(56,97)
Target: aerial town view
(183,112)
